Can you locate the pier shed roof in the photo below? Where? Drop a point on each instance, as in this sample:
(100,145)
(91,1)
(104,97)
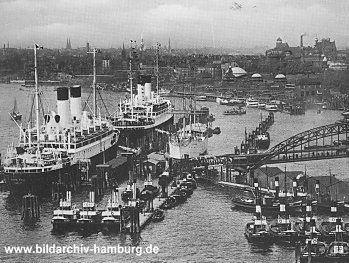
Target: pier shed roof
(270,171)
(116,162)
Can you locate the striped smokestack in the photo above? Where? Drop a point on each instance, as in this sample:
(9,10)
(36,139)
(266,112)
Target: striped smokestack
(63,106)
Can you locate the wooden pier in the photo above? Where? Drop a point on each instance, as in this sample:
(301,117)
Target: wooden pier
(145,218)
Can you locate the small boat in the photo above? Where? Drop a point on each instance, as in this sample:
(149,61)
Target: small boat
(216,130)
(261,105)
(189,182)
(258,230)
(158,215)
(169,203)
(127,195)
(65,217)
(252,103)
(235,111)
(15,114)
(248,203)
(282,230)
(89,217)
(201,98)
(149,191)
(338,250)
(329,227)
(112,219)
(262,141)
(313,251)
(271,107)
(306,226)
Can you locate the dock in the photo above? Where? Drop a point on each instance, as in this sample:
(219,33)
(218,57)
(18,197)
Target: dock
(145,218)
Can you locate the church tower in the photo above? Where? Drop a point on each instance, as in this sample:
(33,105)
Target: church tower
(68,45)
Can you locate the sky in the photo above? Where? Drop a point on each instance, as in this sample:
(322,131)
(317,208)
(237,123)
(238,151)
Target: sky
(188,23)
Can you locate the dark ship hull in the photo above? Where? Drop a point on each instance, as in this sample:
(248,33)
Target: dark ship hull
(263,144)
(41,183)
(145,137)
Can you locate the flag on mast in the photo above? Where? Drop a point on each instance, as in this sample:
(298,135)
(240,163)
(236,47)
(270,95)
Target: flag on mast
(38,47)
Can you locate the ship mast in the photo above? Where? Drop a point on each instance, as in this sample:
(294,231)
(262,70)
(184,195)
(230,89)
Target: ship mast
(37,98)
(94,83)
(131,77)
(158,45)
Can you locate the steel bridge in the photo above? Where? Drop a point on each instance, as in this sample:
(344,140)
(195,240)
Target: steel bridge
(324,142)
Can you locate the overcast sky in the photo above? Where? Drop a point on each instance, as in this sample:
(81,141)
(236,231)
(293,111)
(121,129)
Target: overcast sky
(189,23)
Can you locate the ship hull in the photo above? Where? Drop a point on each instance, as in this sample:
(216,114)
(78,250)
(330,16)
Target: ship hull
(40,183)
(145,137)
(263,144)
(192,148)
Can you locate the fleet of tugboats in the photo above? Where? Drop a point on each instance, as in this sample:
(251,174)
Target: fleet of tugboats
(116,216)
(317,241)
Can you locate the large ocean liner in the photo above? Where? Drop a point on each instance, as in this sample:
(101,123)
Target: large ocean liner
(139,116)
(51,150)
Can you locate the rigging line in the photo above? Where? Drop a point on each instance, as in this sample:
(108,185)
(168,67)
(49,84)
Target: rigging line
(99,93)
(86,102)
(31,112)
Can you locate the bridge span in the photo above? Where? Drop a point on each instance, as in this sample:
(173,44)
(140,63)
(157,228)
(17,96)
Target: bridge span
(325,142)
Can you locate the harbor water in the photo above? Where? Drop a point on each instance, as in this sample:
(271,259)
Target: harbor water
(203,229)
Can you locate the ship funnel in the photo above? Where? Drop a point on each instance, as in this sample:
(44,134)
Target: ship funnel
(63,106)
(143,88)
(75,102)
(147,87)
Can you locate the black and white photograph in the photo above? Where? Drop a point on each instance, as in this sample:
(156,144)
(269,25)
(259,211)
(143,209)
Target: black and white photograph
(158,131)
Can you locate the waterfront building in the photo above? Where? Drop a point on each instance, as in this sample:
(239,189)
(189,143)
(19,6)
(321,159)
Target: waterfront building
(312,56)
(266,177)
(309,89)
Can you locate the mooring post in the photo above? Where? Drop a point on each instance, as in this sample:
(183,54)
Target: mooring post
(138,228)
(30,208)
(121,218)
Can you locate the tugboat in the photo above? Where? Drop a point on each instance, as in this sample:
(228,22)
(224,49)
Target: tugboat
(111,218)
(64,218)
(189,182)
(149,191)
(304,226)
(258,230)
(328,228)
(247,201)
(127,195)
(169,203)
(88,221)
(262,141)
(282,230)
(338,250)
(313,250)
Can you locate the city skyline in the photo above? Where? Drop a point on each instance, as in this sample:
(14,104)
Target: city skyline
(220,24)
